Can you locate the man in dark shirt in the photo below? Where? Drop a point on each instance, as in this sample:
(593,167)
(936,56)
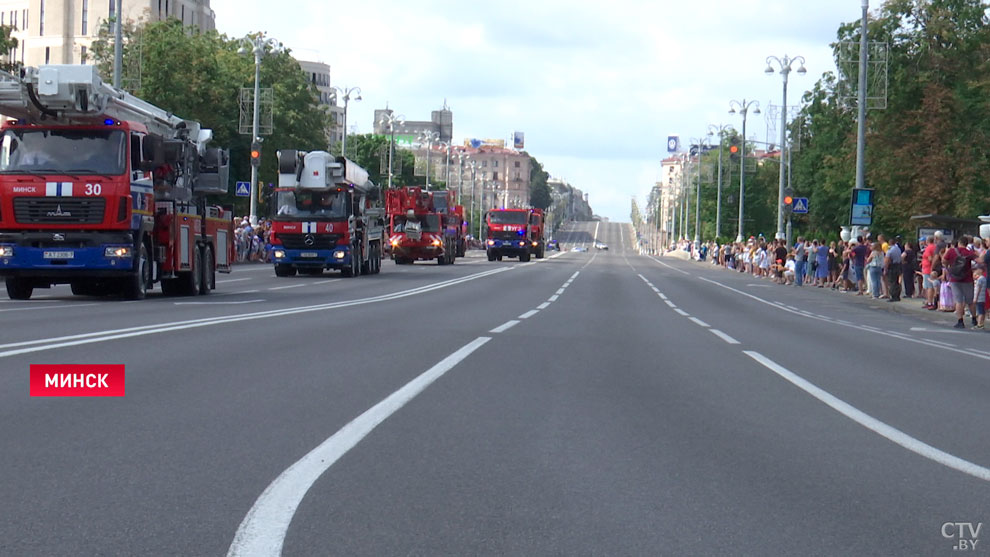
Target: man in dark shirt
(859,253)
(962,284)
(780,258)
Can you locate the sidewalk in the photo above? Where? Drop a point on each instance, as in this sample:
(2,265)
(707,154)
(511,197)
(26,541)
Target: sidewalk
(907,306)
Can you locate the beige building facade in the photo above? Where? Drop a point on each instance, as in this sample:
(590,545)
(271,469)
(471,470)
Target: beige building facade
(62,31)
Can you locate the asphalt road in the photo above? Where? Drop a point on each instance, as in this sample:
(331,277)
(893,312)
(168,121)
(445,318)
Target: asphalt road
(594,402)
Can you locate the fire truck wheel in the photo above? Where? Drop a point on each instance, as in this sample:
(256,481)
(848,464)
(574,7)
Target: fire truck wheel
(193,278)
(209,279)
(171,287)
(524,257)
(136,285)
(284,271)
(19,288)
(491,255)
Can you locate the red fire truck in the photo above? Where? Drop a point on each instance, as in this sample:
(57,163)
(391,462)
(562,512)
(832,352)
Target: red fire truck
(515,233)
(422,231)
(329,216)
(104,191)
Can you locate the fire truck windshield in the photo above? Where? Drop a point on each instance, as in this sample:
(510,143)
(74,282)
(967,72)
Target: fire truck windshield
(312,204)
(429,223)
(63,151)
(508,217)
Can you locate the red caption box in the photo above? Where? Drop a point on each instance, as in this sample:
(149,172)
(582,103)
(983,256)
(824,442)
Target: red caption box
(77,380)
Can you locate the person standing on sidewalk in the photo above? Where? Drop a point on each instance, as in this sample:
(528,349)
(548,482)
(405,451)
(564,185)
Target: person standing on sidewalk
(908,268)
(927,283)
(960,277)
(800,260)
(857,258)
(892,270)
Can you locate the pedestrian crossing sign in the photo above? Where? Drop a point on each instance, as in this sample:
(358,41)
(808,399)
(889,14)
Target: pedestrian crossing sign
(243,189)
(800,205)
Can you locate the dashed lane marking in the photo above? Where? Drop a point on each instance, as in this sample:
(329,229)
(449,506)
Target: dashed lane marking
(699,322)
(505,326)
(544,305)
(529,314)
(724,336)
(553,298)
(671,304)
(681,312)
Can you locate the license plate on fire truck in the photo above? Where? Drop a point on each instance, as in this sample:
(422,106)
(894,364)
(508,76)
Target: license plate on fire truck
(309,254)
(58,255)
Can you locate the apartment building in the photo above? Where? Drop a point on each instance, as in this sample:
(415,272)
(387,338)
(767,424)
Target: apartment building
(62,31)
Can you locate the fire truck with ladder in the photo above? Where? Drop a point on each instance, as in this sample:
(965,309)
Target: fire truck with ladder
(514,233)
(104,191)
(424,225)
(328,216)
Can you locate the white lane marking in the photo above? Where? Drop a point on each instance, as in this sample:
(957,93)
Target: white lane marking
(560,291)
(869,422)
(699,322)
(286,287)
(761,285)
(527,264)
(327,281)
(529,314)
(724,336)
(115,334)
(671,304)
(251,268)
(682,312)
(644,278)
(922,341)
(505,326)
(979,351)
(544,305)
(68,306)
(245,292)
(230,303)
(553,298)
(668,266)
(574,276)
(949,330)
(262,532)
(225,281)
(655,289)
(662,297)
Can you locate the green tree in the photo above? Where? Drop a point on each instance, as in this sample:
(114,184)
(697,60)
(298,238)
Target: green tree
(8,43)
(540,195)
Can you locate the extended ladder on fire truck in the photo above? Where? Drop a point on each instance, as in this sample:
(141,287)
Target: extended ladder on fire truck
(175,238)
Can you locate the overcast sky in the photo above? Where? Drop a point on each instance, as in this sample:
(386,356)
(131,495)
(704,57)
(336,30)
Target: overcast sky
(596,86)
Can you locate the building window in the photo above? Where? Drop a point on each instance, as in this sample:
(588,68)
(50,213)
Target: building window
(82,55)
(24,19)
(48,54)
(3,18)
(517,164)
(85,17)
(484,164)
(41,24)
(495,175)
(517,175)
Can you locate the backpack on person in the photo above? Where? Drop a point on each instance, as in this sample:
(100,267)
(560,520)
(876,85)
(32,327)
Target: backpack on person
(957,270)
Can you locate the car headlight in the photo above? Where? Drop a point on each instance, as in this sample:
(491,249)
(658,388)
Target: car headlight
(339,254)
(436,242)
(6,251)
(491,242)
(279,254)
(119,251)
(395,242)
(535,244)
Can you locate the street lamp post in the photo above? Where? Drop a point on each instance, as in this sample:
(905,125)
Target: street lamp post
(345,94)
(784,67)
(428,137)
(390,120)
(474,169)
(742,107)
(257,45)
(697,200)
(718,130)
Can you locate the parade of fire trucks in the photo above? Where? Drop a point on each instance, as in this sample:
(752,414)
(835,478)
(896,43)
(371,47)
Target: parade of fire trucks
(111,195)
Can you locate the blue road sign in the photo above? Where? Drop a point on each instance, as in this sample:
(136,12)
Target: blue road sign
(800,205)
(862,207)
(243,189)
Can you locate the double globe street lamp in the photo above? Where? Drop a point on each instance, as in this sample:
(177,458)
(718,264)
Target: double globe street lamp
(345,94)
(742,107)
(718,131)
(784,67)
(390,120)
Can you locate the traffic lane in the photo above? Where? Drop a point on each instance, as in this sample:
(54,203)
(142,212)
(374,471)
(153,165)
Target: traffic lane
(206,434)
(907,385)
(637,437)
(257,290)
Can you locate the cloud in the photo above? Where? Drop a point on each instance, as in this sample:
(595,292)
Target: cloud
(597,87)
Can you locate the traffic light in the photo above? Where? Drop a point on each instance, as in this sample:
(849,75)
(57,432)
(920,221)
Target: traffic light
(255,154)
(788,200)
(735,149)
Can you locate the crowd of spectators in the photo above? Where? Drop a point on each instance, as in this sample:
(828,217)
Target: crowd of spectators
(252,243)
(944,276)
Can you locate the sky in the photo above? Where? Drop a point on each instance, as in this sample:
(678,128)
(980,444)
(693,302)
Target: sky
(597,87)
